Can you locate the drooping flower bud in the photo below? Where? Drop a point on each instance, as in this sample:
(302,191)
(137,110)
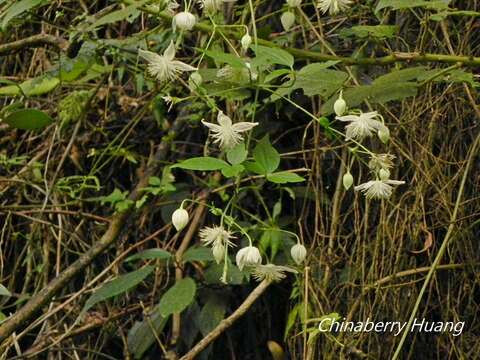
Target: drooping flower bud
(248,256)
(287,19)
(347,180)
(294,3)
(384,134)
(384,174)
(299,253)
(184,21)
(180,218)
(246,41)
(218,250)
(340,105)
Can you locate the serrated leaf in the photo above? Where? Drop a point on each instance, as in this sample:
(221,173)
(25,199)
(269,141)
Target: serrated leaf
(204,163)
(128,13)
(116,287)
(368,31)
(284,177)
(232,171)
(266,156)
(225,58)
(237,155)
(28,119)
(267,55)
(150,254)
(178,297)
(315,79)
(402,75)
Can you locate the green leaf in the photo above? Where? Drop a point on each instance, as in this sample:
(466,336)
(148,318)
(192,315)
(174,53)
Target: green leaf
(32,87)
(284,177)
(204,163)
(178,297)
(254,167)
(150,254)
(232,171)
(367,31)
(326,81)
(28,119)
(128,13)
(266,155)
(267,55)
(408,4)
(237,155)
(402,75)
(4,291)
(141,336)
(224,58)
(116,287)
(16,9)
(212,313)
(198,254)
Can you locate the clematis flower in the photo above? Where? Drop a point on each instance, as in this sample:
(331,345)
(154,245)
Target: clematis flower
(361,125)
(184,20)
(164,67)
(248,256)
(271,272)
(298,253)
(226,134)
(215,235)
(333,6)
(378,189)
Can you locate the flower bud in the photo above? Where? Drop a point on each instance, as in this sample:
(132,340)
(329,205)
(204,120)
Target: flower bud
(246,41)
(384,174)
(384,134)
(299,253)
(340,105)
(184,21)
(347,180)
(248,256)
(218,251)
(180,218)
(287,19)
(195,80)
(294,3)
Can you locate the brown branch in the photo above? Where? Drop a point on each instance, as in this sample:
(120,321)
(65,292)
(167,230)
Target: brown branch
(33,41)
(226,323)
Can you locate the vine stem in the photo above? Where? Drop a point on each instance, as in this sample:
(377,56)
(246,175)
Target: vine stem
(226,323)
(442,250)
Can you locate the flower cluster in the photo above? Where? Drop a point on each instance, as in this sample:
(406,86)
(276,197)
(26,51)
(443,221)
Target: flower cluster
(360,126)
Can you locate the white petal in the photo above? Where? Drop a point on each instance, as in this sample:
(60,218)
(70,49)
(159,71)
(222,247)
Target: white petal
(223,119)
(347,118)
(150,56)
(170,51)
(182,66)
(243,126)
(211,126)
(394,182)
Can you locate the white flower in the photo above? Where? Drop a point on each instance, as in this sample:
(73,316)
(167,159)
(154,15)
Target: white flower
(294,3)
(380,161)
(172,5)
(299,253)
(340,105)
(361,125)
(184,21)
(378,189)
(271,272)
(164,67)
(210,6)
(287,19)
(333,6)
(180,218)
(215,236)
(347,180)
(226,134)
(248,256)
(384,174)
